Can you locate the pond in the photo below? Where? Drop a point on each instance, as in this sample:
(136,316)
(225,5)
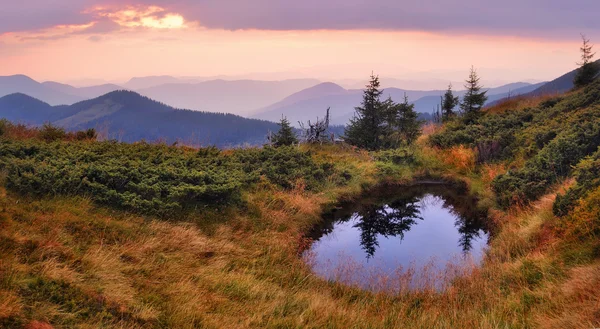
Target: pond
(397,238)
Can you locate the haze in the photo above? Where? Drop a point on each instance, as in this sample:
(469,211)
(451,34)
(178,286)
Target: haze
(428,43)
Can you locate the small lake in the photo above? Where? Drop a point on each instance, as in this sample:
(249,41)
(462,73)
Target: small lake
(398,238)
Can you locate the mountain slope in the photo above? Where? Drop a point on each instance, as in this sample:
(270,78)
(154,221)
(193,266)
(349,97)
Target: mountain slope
(130,117)
(559,85)
(82,92)
(321,90)
(238,97)
(26,85)
(22,108)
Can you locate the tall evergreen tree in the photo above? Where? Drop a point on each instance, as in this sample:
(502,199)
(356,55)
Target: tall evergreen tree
(588,70)
(366,127)
(449,103)
(285,136)
(474,99)
(407,123)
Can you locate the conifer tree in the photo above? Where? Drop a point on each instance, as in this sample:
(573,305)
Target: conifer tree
(474,99)
(407,121)
(285,136)
(588,69)
(449,103)
(366,127)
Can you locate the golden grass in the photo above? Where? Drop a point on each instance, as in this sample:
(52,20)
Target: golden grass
(243,271)
(519,103)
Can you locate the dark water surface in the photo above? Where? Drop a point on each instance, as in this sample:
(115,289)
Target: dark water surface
(394,230)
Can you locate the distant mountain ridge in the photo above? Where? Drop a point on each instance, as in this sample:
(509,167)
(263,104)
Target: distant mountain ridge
(235,96)
(130,117)
(311,103)
(231,96)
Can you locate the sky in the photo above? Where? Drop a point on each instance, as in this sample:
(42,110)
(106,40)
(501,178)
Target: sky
(509,40)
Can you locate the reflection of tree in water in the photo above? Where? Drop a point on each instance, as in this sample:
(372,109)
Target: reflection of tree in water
(388,220)
(391,215)
(469,230)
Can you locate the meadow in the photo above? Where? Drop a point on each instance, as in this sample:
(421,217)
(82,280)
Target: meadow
(113,235)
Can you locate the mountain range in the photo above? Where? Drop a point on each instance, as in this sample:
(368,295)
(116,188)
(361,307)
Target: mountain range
(312,102)
(128,116)
(131,116)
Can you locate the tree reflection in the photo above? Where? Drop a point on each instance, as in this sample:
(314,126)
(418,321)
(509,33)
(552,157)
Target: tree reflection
(391,215)
(386,220)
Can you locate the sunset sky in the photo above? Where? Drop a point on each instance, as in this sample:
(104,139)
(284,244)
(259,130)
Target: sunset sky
(66,40)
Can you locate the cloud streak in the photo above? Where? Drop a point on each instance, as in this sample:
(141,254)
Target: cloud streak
(546,18)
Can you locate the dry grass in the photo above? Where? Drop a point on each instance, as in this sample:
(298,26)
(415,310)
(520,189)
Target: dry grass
(519,103)
(460,158)
(70,264)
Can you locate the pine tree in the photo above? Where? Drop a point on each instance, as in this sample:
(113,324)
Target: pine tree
(449,103)
(285,136)
(407,121)
(367,126)
(588,70)
(474,99)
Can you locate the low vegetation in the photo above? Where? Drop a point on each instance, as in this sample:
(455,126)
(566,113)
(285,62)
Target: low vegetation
(105,234)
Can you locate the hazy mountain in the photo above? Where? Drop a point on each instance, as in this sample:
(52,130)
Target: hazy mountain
(22,108)
(26,85)
(82,92)
(239,97)
(53,93)
(311,103)
(138,83)
(130,117)
(321,90)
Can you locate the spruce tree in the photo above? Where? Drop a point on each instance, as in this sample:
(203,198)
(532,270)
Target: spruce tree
(407,121)
(285,136)
(366,127)
(474,99)
(588,69)
(449,103)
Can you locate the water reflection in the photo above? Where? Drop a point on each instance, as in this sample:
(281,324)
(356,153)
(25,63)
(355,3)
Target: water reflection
(391,220)
(398,226)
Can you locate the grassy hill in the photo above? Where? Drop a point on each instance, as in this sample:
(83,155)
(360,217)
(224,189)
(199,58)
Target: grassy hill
(105,234)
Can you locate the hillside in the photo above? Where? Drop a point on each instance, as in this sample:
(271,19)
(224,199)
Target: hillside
(114,235)
(559,85)
(127,116)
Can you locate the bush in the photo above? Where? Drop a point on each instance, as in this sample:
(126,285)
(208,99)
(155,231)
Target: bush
(152,179)
(552,163)
(587,174)
(89,134)
(4,124)
(50,133)
(401,156)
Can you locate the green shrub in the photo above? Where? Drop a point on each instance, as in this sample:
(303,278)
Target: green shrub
(4,124)
(400,156)
(587,174)
(153,179)
(50,133)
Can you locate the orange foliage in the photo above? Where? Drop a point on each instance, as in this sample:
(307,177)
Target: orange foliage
(460,157)
(38,325)
(491,171)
